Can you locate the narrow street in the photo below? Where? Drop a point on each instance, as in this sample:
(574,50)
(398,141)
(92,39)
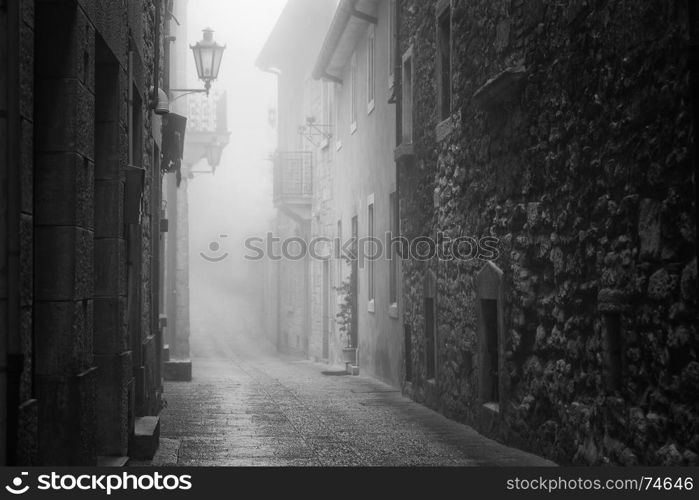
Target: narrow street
(249,406)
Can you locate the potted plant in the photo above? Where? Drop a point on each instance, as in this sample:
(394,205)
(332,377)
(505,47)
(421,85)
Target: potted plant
(344,320)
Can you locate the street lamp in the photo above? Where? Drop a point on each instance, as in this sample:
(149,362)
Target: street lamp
(213,154)
(207,59)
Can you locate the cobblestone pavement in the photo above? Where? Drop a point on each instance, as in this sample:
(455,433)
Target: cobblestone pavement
(247,405)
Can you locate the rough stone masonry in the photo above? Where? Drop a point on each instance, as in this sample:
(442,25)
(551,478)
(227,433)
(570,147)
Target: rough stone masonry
(585,171)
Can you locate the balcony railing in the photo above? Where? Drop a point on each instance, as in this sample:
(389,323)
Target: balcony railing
(293,177)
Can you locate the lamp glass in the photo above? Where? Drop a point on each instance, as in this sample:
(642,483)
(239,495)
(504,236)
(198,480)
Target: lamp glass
(207,57)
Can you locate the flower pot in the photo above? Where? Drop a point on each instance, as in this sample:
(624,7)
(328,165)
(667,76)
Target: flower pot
(349,355)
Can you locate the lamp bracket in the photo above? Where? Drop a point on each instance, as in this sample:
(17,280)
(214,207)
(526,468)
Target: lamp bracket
(315,133)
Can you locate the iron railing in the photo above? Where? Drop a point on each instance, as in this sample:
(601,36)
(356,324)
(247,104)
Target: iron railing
(293,176)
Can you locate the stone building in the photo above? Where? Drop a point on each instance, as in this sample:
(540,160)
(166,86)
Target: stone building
(335,179)
(565,130)
(80,341)
(356,65)
(299,173)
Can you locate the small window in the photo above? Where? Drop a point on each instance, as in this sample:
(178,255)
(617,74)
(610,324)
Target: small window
(611,331)
(371,69)
(370,263)
(338,253)
(328,111)
(491,359)
(336,89)
(353,94)
(408,346)
(391,42)
(488,283)
(429,338)
(393,270)
(407,99)
(444,63)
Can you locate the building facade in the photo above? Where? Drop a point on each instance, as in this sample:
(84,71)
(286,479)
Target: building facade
(80,343)
(334,176)
(356,65)
(300,169)
(566,132)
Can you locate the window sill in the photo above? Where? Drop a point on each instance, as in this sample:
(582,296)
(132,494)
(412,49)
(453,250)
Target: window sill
(492,407)
(404,151)
(370,306)
(393,311)
(353,127)
(443,129)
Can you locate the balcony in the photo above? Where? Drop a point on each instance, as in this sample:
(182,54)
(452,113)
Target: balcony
(293,182)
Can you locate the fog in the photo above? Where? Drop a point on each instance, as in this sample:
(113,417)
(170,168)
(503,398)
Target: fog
(236,202)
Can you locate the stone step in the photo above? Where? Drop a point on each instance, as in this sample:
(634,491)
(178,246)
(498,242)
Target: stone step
(144,443)
(179,370)
(112,461)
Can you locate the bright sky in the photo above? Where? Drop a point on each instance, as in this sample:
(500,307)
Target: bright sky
(238,200)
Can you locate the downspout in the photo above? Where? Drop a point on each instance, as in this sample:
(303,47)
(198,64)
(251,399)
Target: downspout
(156,52)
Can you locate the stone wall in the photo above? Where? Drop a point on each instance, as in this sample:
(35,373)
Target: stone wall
(584,173)
(80,342)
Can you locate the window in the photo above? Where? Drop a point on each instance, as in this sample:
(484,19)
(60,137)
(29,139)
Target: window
(328,110)
(370,253)
(429,338)
(336,89)
(338,253)
(611,331)
(491,335)
(430,294)
(353,93)
(407,98)
(391,42)
(408,346)
(444,62)
(393,270)
(370,69)
(491,361)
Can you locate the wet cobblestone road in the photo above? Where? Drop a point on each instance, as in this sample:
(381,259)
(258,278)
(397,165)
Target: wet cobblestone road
(249,406)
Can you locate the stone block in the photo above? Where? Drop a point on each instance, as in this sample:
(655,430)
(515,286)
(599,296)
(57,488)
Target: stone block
(66,122)
(63,263)
(107,154)
(144,441)
(178,370)
(110,271)
(111,333)
(109,209)
(26,166)
(67,36)
(26,74)
(649,229)
(26,255)
(62,337)
(66,419)
(114,377)
(27,434)
(64,190)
